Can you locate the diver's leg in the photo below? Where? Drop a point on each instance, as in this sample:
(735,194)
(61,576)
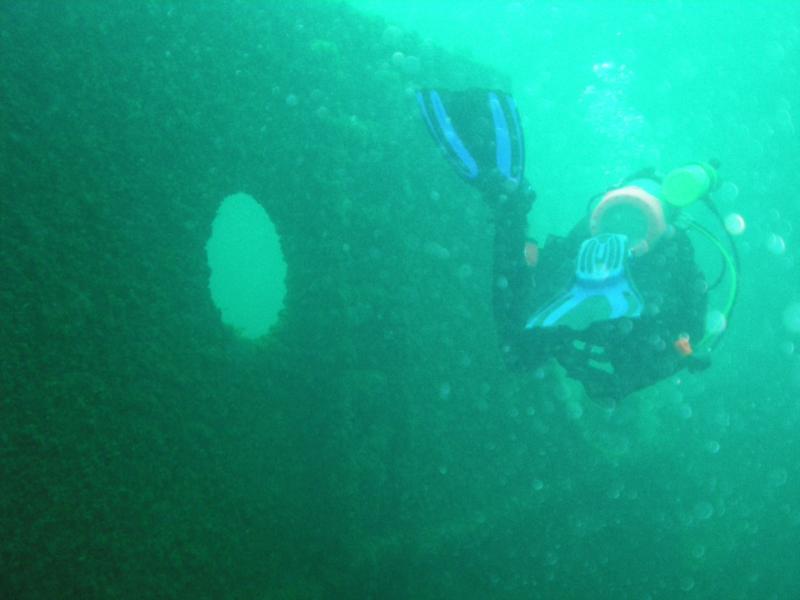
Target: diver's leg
(512,281)
(481,134)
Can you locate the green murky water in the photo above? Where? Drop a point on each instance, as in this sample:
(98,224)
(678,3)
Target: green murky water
(372,444)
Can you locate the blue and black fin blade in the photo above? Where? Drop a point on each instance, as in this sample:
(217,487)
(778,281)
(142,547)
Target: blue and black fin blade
(480,133)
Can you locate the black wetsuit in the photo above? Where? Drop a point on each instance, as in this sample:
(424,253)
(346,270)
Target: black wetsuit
(612,358)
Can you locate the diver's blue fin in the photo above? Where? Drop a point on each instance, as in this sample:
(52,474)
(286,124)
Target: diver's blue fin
(602,289)
(479,131)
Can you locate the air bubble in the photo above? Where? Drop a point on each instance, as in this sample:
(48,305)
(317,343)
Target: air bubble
(716,322)
(411,65)
(776,244)
(703,511)
(791,317)
(778,477)
(727,193)
(735,224)
(465,271)
(685,411)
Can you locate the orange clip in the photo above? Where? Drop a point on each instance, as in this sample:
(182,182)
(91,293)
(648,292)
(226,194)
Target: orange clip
(683,346)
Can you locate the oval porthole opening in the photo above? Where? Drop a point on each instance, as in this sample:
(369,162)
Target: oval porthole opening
(248,270)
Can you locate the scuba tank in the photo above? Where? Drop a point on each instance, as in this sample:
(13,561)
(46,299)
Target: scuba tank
(685,185)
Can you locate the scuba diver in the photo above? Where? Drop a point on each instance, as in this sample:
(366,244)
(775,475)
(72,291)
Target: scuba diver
(619,302)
